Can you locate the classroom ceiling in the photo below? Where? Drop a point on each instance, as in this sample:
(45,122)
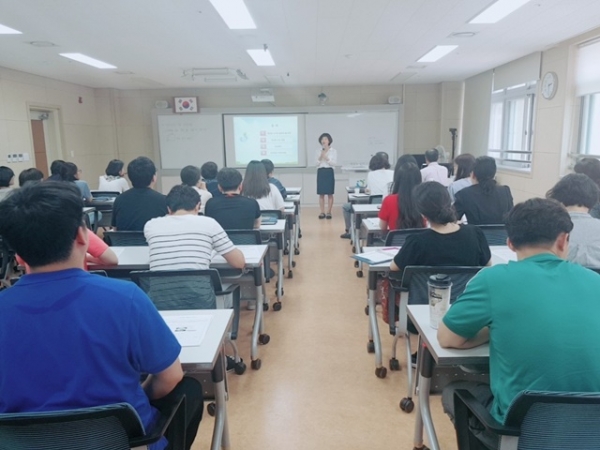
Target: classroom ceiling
(313,42)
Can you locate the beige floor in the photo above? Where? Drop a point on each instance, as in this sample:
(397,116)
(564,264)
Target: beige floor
(317,387)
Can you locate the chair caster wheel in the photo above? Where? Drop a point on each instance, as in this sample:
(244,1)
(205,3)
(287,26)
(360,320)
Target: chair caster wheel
(367,310)
(370,347)
(211,409)
(394,364)
(277,306)
(240,368)
(296,251)
(407,405)
(353,249)
(265,306)
(359,273)
(290,274)
(286,252)
(299,235)
(356,264)
(255,364)
(264,339)
(293,263)
(380,372)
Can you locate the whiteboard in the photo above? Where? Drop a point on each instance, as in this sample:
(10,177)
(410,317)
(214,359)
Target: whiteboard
(356,135)
(190,139)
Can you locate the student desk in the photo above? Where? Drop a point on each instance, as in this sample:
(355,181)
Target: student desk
(138,258)
(294,190)
(369,230)
(297,219)
(431,354)
(358,212)
(277,230)
(290,214)
(208,356)
(358,198)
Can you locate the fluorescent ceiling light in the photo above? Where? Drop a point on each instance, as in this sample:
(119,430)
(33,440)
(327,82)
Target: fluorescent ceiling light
(235,14)
(498,11)
(87,60)
(7,30)
(436,53)
(261,57)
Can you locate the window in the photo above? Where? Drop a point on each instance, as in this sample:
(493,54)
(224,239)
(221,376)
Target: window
(589,131)
(511,126)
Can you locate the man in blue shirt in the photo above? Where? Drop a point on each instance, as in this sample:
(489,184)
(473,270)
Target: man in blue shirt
(69,339)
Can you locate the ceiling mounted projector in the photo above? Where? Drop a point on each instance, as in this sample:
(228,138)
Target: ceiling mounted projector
(263,96)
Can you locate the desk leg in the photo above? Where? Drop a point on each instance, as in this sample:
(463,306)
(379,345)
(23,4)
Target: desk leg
(220,437)
(427,365)
(380,371)
(257,330)
(279,275)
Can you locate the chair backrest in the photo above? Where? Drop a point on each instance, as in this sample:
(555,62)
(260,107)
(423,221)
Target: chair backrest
(553,420)
(97,428)
(125,238)
(180,289)
(244,237)
(375,199)
(396,238)
(105,195)
(7,257)
(494,234)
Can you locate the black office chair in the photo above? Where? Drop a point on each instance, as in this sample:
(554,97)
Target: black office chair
(412,287)
(396,238)
(114,427)
(192,289)
(535,420)
(7,264)
(494,234)
(375,199)
(103,202)
(125,238)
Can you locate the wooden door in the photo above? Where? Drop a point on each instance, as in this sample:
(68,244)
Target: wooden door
(39,146)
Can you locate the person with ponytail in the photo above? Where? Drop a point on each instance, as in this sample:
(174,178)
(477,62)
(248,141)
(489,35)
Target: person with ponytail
(446,243)
(398,210)
(485,202)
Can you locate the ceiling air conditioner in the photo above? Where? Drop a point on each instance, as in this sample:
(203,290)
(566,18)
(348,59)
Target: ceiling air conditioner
(263,96)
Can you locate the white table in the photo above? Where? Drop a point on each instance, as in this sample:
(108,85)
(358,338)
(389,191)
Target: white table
(277,230)
(294,190)
(208,356)
(358,212)
(138,258)
(431,354)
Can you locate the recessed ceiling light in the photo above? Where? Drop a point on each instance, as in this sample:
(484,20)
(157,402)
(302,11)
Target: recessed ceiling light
(235,14)
(79,57)
(437,52)
(462,34)
(42,44)
(498,11)
(262,57)
(7,30)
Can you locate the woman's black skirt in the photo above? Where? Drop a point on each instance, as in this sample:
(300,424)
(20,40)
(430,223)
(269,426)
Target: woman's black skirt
(325,181)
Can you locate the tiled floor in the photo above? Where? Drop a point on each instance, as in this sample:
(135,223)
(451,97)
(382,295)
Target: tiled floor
(317,387)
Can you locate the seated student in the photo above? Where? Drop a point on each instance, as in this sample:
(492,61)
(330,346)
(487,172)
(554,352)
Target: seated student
(485,202)
(540,315)
(398,209)
(232,210)
(70,173)
(185,240)
(257,186)
(433,171)
(55,170)
(114,332)
(578,193)
(7,180)
(113,180)
(209,172)
(270,167)
(463,167)
(32,175)
(133,208)
(591,168)
(190,176)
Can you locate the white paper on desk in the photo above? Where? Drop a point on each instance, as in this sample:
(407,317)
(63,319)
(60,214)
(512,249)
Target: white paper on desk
(374,221)
(118,251)
(189,330)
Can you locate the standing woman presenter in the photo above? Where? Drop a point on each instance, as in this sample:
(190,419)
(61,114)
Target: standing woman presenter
(326,160)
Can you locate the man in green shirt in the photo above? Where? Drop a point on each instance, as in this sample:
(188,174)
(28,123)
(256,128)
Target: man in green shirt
(541,314)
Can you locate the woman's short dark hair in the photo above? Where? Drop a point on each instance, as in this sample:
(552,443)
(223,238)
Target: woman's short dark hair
(40,221)
(269,166)
(589,167)
(209,170)
(407,177)
(30,175)
(6,174)
(485,171)
(537,221)
(256,184)
(182,197)
(464,166)
(114,168)
(55,166)
(190,175)
(229,179)
(328,136)
(141,171)
(433,201)
(575,189)
(378,162)
(68,171)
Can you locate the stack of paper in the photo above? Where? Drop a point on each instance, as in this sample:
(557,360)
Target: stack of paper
(385,254)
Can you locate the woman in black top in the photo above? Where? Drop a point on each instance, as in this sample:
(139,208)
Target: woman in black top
(485,202)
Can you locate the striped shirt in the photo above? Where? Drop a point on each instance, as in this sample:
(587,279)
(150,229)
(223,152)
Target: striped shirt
(185,242)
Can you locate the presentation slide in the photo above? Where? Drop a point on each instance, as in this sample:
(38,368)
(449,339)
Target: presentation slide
(278,138)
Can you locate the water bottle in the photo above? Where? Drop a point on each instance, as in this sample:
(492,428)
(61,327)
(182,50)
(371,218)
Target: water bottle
(439,287)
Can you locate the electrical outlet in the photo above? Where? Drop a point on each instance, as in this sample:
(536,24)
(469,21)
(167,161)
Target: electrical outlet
(15,157)
(9,158)
(20,157)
